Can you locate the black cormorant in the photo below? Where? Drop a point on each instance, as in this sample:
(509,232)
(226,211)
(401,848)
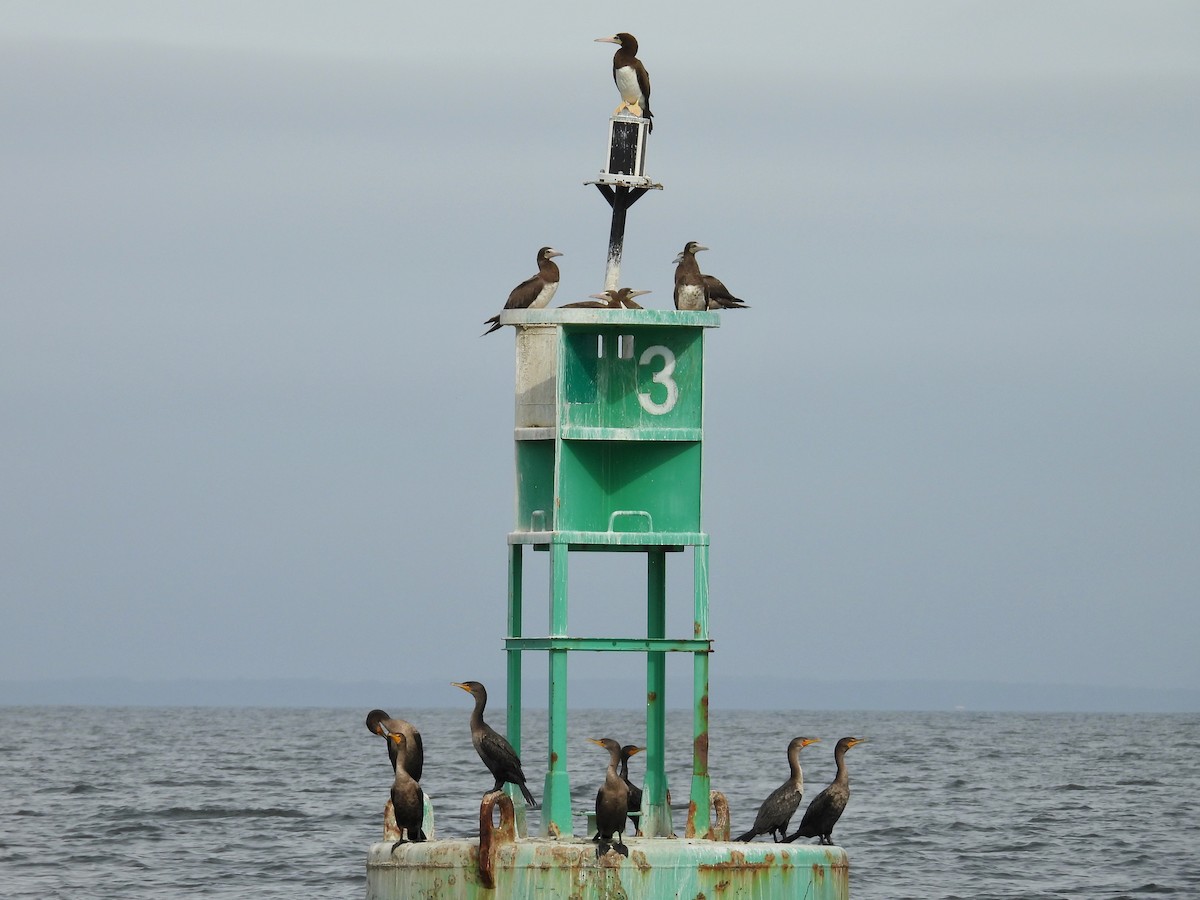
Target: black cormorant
(822,814)
(777,810)
(612,801)
(381,723)
(493,748)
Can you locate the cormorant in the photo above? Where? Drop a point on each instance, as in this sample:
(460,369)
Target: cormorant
(493,748)
(408,801)
(612,802)
(822,814)
(777,810)
(381,723)
(534,292)
(635,792)
(630,76)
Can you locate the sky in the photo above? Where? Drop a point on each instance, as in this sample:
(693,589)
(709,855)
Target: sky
(249,428)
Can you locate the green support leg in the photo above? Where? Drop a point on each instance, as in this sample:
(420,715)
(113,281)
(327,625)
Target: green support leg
(699,817)
(656,811)
(515,577)
(556,800)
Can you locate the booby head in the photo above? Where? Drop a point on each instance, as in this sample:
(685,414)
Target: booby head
(691,247)
(548,253)
(626,40)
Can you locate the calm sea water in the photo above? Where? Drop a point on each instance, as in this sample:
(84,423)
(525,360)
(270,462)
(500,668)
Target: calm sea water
(145,802)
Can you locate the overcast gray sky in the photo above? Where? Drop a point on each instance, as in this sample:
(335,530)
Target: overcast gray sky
(248,427)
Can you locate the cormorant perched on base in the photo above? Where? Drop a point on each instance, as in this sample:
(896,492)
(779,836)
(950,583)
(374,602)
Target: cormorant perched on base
(777,810)
(635,793)
(408,800)
(822,814)
(630,76)
(381,723)
(612,802)
(534,292)
(493,748)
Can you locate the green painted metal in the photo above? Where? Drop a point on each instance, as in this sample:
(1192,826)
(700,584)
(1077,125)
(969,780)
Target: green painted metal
(608,451)
(655,867)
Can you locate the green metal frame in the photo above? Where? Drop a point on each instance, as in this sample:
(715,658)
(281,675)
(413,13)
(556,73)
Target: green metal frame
(610,460)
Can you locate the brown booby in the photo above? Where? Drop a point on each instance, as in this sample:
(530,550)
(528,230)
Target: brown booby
(534,292)
(382,724)
(630,76)
(690,290)
(719,296)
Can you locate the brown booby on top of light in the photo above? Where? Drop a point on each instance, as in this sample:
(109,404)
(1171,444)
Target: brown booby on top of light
(630,76)
(534,292)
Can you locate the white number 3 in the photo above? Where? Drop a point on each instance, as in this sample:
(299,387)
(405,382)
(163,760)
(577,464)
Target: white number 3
(663,377)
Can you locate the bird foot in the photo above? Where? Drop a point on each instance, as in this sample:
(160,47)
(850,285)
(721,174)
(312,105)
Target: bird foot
(619,109)
(636,109)
(397,844)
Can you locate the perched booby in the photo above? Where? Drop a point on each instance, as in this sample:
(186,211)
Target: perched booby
(630,76)
(719,297)
(493,748)
(612,802)
(618,299)
(827,807)
(777,810)
(534,292)
(408,800)
(382,724)
(690,290)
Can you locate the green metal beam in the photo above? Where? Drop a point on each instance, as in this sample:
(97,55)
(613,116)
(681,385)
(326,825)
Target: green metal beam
(633,645)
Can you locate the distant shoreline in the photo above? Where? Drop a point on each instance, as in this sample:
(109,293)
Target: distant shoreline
(738,693)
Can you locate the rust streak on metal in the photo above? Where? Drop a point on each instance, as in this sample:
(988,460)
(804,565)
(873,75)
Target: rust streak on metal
(736,861)
(720,808)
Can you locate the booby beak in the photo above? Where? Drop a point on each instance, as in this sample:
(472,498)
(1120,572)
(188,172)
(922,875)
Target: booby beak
(607,40)
(553,253)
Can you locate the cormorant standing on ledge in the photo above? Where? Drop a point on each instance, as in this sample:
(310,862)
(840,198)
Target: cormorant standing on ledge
(534,292)
(822,814)
(381,723)
(635,793)
(612,802)
(630,76)
(408,801)
(777,810)
(493,748)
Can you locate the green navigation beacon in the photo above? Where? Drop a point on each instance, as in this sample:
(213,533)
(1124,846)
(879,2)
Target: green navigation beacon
(609,443)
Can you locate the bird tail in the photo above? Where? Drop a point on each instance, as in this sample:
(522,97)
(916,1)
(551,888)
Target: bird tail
(533,804)
(494,321)
(748,836)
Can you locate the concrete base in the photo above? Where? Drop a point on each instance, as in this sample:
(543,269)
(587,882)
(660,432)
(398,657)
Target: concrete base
(569,868)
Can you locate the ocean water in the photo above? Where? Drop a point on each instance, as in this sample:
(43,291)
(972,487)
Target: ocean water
(263,803)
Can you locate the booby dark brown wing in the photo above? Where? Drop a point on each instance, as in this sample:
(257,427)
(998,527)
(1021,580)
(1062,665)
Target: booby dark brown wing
(534,292)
